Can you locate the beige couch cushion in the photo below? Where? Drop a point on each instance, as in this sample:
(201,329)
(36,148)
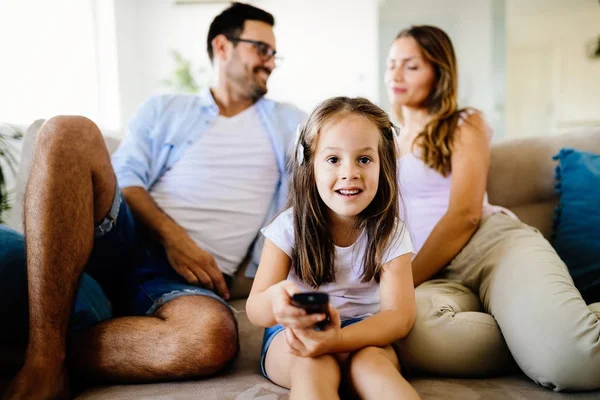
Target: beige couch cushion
(15,218)
(244,382)
(521,175)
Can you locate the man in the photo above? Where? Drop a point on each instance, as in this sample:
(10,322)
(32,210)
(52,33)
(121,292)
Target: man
(159,231)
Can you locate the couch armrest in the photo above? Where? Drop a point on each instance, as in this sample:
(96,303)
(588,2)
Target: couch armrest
(15,218)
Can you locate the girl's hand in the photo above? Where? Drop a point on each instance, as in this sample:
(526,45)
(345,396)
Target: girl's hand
(285,313)
(308,342)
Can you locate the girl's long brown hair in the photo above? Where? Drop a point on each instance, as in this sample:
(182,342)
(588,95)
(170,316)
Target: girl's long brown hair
(435,141)
(314,251)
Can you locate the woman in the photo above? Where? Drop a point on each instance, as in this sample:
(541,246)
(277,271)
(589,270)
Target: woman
(488,284)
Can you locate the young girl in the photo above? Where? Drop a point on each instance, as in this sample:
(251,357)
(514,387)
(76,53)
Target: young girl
(341,236)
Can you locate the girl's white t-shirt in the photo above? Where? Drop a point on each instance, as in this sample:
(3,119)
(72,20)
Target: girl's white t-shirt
(351,297)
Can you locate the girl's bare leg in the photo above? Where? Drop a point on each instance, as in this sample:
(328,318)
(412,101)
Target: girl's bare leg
(307,378)
(374,373)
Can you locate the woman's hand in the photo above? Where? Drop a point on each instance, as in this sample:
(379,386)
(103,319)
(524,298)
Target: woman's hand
(285,313)
(308,342)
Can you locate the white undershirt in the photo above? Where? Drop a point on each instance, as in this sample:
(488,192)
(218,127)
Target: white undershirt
(221,188)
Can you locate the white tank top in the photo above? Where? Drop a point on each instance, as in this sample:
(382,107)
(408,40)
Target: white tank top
(426,194)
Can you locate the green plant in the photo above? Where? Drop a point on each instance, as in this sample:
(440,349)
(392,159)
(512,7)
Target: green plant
(7,159)
(184,77)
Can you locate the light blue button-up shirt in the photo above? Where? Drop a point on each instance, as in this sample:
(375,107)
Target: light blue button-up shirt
(166,125)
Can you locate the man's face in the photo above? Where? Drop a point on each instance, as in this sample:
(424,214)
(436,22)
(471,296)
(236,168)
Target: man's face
(249,66)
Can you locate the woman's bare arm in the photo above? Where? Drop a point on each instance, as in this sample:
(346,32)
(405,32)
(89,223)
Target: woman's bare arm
(470,164)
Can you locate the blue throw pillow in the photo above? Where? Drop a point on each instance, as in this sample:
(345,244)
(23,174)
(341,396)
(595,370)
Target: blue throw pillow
(576,233)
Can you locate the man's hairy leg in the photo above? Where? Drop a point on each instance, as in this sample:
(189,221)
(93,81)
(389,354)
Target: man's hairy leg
(189,336)
(71,186)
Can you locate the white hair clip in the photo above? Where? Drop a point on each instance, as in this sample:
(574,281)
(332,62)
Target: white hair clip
(299,146)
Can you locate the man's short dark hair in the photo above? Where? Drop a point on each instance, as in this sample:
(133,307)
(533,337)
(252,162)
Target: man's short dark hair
(231,22)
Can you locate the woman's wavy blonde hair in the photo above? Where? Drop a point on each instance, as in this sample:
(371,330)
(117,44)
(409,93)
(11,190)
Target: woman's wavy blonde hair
(435,141)
(314,251)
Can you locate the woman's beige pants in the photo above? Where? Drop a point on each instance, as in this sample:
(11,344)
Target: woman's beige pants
(506,295)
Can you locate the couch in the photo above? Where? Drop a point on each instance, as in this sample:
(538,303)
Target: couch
(521,178)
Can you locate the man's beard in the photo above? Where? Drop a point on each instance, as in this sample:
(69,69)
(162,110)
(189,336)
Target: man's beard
(247,83)
(256,89)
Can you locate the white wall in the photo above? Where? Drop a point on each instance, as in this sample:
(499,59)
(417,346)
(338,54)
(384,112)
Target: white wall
(146,33)
(549,38)
(83,64)
(129,64)
(106,62)
(329,47)
(48,63)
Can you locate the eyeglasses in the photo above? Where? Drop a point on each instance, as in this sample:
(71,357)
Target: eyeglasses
(265,51)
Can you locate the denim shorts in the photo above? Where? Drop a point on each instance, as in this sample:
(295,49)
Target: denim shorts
(127,274)
(271,332)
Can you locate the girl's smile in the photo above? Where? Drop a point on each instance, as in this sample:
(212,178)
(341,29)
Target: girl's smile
(347,165)
(350,193)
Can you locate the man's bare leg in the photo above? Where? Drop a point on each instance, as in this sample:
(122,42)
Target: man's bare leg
(71,186)
(188,337)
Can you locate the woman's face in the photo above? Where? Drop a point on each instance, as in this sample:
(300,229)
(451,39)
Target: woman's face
(409,78)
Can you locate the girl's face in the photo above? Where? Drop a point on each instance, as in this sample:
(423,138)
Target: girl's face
(409,78)
(346,163)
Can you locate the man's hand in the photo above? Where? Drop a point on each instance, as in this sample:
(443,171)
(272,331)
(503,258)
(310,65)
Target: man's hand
(308,342)
(197,266)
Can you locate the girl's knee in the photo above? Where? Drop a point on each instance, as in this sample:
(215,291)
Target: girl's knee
(315,366)
(368,358)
